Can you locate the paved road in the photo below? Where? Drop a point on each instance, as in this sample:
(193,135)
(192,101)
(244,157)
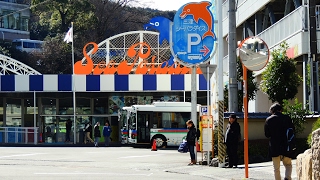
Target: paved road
(252,60)
(112,163)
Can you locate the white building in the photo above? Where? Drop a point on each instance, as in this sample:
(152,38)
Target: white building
(14,19)
(274,21)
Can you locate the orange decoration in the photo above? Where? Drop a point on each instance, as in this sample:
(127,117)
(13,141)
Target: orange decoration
(123,68)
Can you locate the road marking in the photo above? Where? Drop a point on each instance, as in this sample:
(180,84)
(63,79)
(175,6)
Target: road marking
(21,155)
(76,173)
(126,157)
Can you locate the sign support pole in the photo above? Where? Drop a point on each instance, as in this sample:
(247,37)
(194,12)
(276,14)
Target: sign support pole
(245,122)
(209,113)
(221,146)
(194,101)
(73,93)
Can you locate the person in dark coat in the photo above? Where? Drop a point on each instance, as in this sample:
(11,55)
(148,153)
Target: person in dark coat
(191,141)
(274,130)
(68,130)
(97,134)
(232,138)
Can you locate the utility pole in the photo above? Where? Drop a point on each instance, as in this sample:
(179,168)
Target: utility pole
(232,46)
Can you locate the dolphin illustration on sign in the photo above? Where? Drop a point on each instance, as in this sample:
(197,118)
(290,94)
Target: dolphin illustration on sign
(161,25)
(193,38)
(200,11)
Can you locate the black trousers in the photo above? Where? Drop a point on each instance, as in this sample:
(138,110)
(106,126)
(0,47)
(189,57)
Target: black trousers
(232,150)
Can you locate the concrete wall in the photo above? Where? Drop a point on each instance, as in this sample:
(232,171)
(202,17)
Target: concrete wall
(256,128)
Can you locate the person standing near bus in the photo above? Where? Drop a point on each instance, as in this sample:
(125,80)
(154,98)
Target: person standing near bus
(106,133)
(68,130)
(88,130)
(232,139)
(191,140)
(97,134)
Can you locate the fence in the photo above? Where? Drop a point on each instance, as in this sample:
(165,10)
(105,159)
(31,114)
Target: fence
(19,135)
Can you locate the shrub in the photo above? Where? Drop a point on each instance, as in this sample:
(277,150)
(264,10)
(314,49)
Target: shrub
(297,113)
(315,126)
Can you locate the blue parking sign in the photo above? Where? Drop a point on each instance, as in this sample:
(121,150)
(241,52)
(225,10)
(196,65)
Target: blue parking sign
(193,35)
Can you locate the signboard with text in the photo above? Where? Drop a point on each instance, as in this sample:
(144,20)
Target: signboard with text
(193,35)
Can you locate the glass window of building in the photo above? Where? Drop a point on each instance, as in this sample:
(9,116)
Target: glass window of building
(24,23)
(1,112)
(48,106)
(29,110)
(83,106)
(13,112)
(100,105)
(8,19)
(66,104)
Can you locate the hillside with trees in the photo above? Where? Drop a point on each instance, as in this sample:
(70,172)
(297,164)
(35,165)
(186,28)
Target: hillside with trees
(94,21)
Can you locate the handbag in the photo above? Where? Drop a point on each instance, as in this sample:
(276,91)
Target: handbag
(183,147)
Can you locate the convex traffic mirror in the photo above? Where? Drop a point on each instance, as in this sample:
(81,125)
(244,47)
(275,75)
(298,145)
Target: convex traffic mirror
(254,53)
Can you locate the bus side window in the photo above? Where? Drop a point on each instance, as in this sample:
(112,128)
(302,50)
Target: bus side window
(186,116)
(166,120)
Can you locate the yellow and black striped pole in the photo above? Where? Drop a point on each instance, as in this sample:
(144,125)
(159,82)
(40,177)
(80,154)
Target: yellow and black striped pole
(221,145)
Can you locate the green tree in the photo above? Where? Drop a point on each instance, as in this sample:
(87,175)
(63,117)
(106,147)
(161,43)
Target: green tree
(280,79)
(297,113)
(252,87)
(58,14)
(56,57)
(315,126)
(4,51)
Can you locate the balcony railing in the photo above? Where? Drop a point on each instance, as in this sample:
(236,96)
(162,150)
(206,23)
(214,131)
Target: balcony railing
(285,28)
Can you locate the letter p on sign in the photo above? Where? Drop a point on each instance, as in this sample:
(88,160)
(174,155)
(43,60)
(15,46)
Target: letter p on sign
(193,43)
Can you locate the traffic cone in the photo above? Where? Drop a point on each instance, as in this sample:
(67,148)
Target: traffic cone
(198,147)
(40,138)
(154,146)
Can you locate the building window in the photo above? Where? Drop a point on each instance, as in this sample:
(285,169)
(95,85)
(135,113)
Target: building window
(13,112)
(1,22)
(24,24)
(1,112)
(12,20)
(8,19)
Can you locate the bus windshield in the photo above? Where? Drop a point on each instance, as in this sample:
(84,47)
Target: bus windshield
(132,121)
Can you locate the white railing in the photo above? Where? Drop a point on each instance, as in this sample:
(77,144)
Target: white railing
(19,135)
(285,28)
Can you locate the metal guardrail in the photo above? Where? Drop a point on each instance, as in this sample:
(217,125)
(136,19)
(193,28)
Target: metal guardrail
(19,135)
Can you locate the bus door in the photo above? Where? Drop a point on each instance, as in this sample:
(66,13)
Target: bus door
(143,127)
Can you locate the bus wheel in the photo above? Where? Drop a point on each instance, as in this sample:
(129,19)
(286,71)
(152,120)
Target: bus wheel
(161,141)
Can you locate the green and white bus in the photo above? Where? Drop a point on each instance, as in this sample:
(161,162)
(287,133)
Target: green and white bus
(164,122)
(123,117)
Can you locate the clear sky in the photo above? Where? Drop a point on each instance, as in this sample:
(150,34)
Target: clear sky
(165,4)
